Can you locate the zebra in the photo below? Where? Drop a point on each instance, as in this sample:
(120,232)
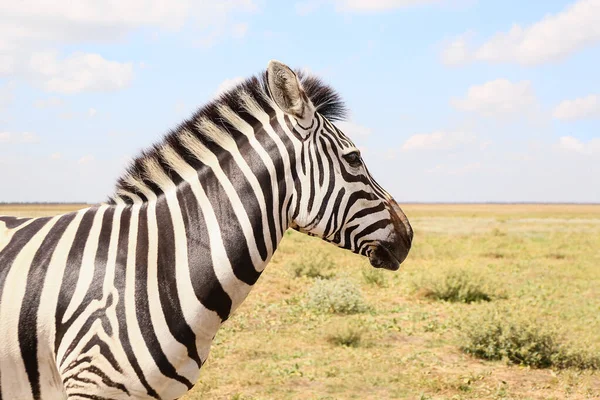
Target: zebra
(121,300)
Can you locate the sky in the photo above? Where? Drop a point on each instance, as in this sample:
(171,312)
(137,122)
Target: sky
(450,100)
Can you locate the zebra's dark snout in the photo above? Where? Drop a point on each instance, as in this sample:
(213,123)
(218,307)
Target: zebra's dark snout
(390,253)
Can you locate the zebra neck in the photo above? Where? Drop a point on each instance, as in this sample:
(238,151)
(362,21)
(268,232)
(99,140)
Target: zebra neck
(223,224)
(222,195)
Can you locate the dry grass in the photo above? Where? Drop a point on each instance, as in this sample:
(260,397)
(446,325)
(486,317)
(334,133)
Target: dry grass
(562,211)
(543,258)
(39,210)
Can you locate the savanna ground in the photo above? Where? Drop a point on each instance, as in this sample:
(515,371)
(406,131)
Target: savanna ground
(516,284)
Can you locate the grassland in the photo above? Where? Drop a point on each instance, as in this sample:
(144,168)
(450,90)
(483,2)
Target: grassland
(537,264)
(38,210)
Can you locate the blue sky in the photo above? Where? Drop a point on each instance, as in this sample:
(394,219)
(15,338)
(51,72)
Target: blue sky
(451,100)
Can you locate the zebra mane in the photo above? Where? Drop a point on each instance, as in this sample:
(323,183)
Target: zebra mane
(151,162)
(326,100)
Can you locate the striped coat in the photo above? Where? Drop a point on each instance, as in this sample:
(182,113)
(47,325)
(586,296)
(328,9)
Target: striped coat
(123,299)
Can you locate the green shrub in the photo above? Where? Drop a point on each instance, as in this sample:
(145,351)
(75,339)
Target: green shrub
(338,296)
(499,335)
(345,334)
(375,277)
(576,358)
(314,266)
(456,286)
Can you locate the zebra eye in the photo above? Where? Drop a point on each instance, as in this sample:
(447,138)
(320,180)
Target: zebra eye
(353,159)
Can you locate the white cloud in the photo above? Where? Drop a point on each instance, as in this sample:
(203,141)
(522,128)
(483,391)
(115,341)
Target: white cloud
(390,154)
(439,140)
(92,112)
(7,63)
(583,107)
(228,84)
(29,28)
(55,156)
(363,6)
(50,102)
(67,115)
(444,169)
(569,143)
(239,30)
(86,159)
(79,72)
(307,7)
(498,98)
(352,129)
(29,138)
(50,21)
(380,5)
(85,20)
(552,38)
(457,51)
(485,144)
(6,94)
(19,138)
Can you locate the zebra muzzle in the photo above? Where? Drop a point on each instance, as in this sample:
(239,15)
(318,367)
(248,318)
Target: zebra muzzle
(383,256)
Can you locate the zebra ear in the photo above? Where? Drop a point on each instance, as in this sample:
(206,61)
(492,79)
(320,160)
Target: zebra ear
(287,91)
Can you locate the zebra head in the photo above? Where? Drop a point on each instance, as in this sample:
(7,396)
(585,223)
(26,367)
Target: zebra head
(335,197)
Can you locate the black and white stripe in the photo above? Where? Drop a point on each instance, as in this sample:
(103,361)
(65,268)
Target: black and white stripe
(122,300)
